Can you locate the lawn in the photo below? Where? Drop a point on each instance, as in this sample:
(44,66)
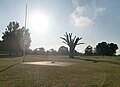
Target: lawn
(91,71)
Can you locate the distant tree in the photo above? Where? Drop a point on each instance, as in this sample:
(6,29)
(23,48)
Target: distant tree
(29,51)
(63,50)
(14,38)
(9,36)
(39,51)
(76,53)
(89,50)
(53,52)
(3,49)
(35,51)
(71,42)
(101,48)
(112,48)
(26,38)
(47,52)
(106,49)
(1,45)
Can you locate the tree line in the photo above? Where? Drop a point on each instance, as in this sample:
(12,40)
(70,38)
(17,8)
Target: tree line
(103,48)
(61,51)
(16,40)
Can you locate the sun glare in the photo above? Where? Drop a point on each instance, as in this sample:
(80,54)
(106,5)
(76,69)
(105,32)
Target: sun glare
(39,22)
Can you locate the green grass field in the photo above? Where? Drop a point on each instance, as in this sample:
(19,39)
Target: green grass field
(93,71)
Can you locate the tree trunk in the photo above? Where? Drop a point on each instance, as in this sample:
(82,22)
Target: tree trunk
(71,53)
(10,53)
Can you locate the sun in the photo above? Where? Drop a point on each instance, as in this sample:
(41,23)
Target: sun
(39,22)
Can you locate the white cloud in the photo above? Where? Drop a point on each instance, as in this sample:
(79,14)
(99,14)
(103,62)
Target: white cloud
(99,9)
(80,10)
(84,16)
(78,19)
(81,21)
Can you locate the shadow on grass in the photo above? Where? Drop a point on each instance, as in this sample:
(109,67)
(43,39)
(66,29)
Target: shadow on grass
(97,61)
(8,67)
(8,56)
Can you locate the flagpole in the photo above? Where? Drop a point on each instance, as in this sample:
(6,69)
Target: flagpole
(24,33)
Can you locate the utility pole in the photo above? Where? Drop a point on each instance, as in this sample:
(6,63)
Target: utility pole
(24,33)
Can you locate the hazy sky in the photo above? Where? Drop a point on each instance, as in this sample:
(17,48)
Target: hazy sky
(93,20)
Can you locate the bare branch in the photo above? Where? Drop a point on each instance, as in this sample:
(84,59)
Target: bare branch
(80,38)
(65,35)
(77,39)
(70,37)
(67,38)
(65,43)
(63,39)
(74,39)
(80,43)
(70,34)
